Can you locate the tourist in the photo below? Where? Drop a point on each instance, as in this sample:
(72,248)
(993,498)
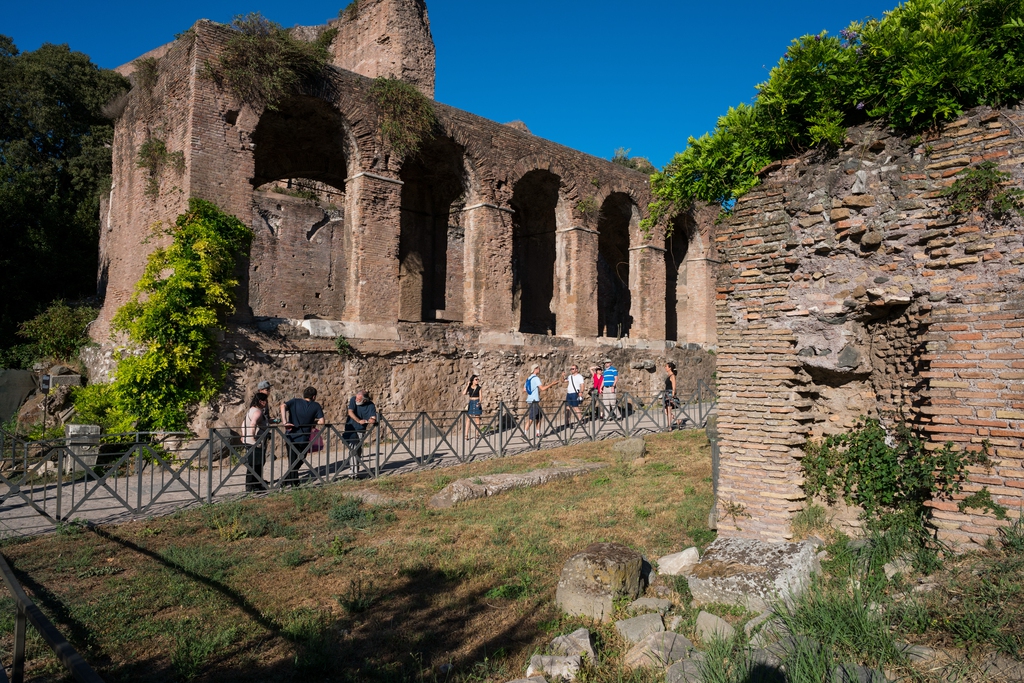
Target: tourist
(473,410)
(573,388)
(669,396)
(533,387)
(610,380)
(597,382)
(264,388)
(254,426)
(362,415)
(300,416)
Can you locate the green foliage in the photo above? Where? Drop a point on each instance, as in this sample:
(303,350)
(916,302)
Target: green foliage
(194,646)
(54,164)
(982,500)
(182,298)
(59,332)
(407,117)
(587,208)
(262,63)
(154,157)
(1012,536)
(147,70)
(345,349)
(982,187)
(622,158)
(925,62)
(891,483)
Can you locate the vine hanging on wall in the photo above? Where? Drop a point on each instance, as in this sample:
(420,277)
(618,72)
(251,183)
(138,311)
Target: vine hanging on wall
(407,116)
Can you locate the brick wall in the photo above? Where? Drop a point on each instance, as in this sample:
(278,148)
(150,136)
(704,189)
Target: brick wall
(848,289)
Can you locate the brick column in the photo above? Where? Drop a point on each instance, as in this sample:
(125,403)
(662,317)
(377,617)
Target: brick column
(576,280)
(647,291)
(373,219)
(488,264)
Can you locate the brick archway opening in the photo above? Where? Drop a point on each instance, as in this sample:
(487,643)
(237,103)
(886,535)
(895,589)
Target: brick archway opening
(677,246)
(534,224)
(431,248)
(613,295)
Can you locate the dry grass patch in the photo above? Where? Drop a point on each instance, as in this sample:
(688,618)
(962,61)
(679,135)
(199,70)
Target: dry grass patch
(312,584)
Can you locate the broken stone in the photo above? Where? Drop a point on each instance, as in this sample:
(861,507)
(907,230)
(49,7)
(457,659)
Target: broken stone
(492,484)
(630,449)
(806,352)
(555,668)
(871,239)
(658,650)
(532,679)
(685,671)
(752,573)
(679,564)
(15,387)
(855,673)
(575,643)
(636,629)
(849,357)
(592,579)
(860,184)
(710,627)
(649,605)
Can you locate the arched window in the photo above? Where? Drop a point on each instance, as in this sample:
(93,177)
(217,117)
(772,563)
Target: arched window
(534,199)
(614,223)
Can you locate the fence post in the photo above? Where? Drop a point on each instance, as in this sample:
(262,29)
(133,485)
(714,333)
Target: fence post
(60,479)
(209,468)
(18,667)
(501,424)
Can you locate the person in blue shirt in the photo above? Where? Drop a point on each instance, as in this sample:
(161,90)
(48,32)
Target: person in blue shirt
(533,387)
(611,380)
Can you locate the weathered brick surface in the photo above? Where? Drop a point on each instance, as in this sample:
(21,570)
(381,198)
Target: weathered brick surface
(834,304)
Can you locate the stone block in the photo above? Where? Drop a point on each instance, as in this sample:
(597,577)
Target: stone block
(15,387)
(575,643)
(678,564)
(636,629)
(710,627)
(554,668)
(592,579)
(658,605)
(630,449)
(658,650)
(685,671)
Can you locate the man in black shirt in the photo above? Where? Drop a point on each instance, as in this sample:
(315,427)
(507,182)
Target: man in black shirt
(362,415)
(299,416)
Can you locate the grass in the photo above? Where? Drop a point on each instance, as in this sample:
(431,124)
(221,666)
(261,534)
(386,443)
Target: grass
(312,583)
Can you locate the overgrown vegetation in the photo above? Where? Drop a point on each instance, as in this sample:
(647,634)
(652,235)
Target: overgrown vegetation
(262,63)
(407,117)
(983,187)
(58,333)
(622,158)
(147,70)
(54,165)
(170,362)
(925,62)
(890,474)
(154,157)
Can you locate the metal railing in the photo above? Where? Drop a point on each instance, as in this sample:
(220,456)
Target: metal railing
(28,613)
(117,477)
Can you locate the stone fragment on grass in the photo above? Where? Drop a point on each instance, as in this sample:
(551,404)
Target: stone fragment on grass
(575,643)
(658,650)
(649,605)
(710,627)
(636,629)
(679,564)
(493,484)
(531,679)
(1002,668)
(752,573)
(685,671)
(674,622)
(855,673)
(592,579)
(554,668)
(630,449)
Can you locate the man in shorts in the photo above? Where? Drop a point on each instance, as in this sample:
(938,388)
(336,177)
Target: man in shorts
(573,394)
(533,387)
(608,398)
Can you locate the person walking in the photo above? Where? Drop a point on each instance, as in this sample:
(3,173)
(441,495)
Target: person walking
(254,428)
(299,416)
(596,384)
(610,380)
(669,395)
(362,416)
(573,388)
(533,387)
(473,410)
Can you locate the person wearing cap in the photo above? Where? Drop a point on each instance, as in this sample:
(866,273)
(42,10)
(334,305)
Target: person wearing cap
(597,383)
(264,388)
(533,387)
(610,379)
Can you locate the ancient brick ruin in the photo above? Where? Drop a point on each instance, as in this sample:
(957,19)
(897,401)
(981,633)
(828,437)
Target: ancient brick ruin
(848,288)
(485,249)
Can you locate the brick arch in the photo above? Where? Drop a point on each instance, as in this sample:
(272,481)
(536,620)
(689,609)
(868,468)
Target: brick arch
(538,162)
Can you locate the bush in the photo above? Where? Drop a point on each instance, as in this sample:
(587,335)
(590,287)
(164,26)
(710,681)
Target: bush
(407,117)
(59,332)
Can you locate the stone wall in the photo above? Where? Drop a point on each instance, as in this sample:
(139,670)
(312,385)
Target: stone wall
(849,289)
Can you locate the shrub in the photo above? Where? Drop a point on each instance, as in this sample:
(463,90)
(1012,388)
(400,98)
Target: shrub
(59,332)
(981,187)
(407,117)
(154,157)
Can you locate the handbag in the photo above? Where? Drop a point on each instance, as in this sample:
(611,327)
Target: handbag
(316,440)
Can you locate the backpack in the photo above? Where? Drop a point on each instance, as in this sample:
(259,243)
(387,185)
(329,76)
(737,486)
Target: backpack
(526,387)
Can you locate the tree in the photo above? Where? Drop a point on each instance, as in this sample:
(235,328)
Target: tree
(54,163)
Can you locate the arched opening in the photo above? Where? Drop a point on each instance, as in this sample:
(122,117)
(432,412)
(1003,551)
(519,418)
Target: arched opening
(534,200)
(676,295)
(297,264)
(613,297)
(432,240)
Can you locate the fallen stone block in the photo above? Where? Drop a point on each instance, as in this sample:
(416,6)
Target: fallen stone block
(630,449)
(649,605)
(532,679)
(685,671)
(554,668)
(575,643)
(855,673)
(754,574)
(636,629)
(679,564)
(658,650)
(710,627)
(592,579)
(493,484)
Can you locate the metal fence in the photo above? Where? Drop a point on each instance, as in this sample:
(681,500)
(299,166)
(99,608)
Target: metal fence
(117,477)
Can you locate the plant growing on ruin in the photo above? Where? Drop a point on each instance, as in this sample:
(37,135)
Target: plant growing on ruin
(622,158)
(407,117)
(59,332)
(983,187)
(587,208)
(890,474)
(982,500)
(345,349)
(154,157)
(183,297)
(262,63)
(147,69)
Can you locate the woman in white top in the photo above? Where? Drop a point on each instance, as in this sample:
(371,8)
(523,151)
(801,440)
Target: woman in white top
(253,427)
(574,383)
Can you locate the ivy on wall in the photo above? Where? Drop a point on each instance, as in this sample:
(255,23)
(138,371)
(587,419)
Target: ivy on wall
(407,116)
(170,364)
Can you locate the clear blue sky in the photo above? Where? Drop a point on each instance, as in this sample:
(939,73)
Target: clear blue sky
(590,74)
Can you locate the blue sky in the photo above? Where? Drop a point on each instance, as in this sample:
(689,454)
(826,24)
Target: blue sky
(594,75)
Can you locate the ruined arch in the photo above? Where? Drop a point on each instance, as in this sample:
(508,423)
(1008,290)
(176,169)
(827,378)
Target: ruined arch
(616,222)
(535,198)
(677,246)
(431,248)
(689,280)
